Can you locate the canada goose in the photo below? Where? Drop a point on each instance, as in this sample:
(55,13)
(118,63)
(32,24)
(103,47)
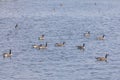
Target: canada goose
(41,37)
(5,55)
(87,34)
(42,46)
(101,37)
(81,47)
(59,44)
(102,58)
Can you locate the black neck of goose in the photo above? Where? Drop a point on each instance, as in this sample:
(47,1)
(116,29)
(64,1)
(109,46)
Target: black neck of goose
(106,55)
(10,51)
(63,42)
(83,45)
(88,32)
(42,35)
(16,25)
(103,36)
(46,44)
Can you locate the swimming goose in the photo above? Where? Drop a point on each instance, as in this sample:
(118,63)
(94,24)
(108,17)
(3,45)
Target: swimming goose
(102,58)
(41,37)
(5,55)
(87,34)
(59,44)
(43,46)
(81,47)
(101,37)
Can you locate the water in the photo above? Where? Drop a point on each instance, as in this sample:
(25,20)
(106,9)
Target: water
(59,23)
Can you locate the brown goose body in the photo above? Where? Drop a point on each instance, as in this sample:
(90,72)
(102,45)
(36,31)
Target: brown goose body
(101,37)
(36,46)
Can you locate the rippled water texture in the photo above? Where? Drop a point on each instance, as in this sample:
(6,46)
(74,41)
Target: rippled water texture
(60,21)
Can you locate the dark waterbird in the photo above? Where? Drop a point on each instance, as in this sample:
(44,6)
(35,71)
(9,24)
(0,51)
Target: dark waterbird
(9,54)
(102,58)
(81,47)
(59,44)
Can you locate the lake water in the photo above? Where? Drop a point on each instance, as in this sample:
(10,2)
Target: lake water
(59,21)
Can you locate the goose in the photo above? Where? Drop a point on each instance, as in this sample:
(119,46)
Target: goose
(5,55)
(87,34)
(102,58)
(81,47)
(41,37)
(43,46)
(101,37)
(59,44)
